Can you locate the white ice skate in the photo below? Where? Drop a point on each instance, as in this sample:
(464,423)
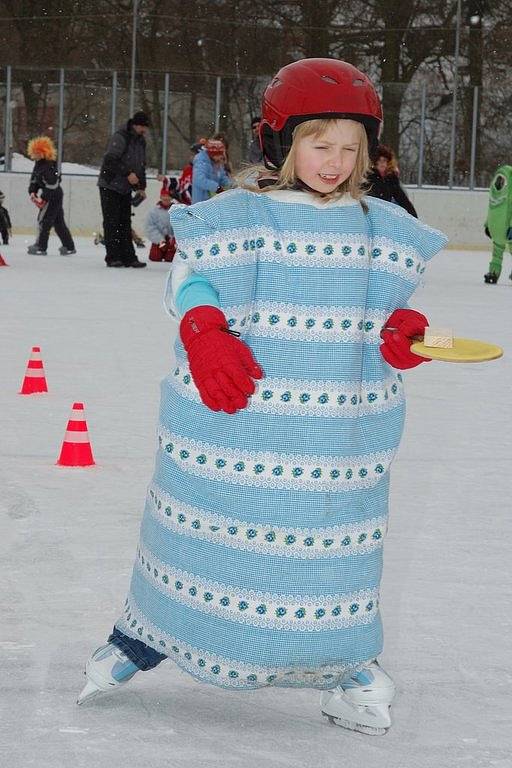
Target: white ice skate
(107,668)
(362,702)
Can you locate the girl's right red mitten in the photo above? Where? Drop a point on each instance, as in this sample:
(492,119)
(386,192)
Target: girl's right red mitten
(398,333)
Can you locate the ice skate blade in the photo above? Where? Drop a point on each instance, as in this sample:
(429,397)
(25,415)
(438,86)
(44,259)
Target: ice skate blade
(89,692)
(352,726)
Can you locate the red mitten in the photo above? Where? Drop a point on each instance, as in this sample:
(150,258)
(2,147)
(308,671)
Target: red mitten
(398,333)
(37,200)
(221,365)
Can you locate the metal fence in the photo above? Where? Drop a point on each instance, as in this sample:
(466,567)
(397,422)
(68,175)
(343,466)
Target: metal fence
(442,141)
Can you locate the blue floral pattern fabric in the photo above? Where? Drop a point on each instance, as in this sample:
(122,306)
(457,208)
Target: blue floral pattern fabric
(260,552)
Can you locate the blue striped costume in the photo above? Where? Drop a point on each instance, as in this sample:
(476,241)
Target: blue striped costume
(260,553)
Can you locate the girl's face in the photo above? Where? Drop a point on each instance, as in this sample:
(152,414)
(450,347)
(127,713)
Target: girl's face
(325,161)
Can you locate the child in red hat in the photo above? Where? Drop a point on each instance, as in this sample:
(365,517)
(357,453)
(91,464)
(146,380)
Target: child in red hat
(158,223)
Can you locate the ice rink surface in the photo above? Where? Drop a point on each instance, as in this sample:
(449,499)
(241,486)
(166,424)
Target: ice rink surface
(68,538)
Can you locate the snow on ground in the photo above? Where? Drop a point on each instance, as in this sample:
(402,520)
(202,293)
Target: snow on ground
(69,536)
(22,164)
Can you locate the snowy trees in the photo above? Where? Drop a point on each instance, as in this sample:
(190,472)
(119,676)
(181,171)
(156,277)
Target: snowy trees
(405,47)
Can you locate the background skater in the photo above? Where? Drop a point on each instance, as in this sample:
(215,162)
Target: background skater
(46,192)
(123,171)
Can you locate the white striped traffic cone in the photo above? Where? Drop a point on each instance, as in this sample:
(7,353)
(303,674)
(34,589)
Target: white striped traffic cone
(76,449)
(35,378)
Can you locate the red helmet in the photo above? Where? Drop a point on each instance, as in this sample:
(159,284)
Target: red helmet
(310,89)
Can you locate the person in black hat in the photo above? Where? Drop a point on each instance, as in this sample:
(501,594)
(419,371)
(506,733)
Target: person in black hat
(122,173)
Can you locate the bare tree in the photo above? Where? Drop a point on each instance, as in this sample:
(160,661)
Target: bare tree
(400,45)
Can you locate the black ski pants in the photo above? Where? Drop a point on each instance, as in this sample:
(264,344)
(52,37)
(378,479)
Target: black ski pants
(52,215)
(117,226)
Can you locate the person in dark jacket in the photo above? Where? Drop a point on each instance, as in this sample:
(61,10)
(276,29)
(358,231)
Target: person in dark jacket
(123,171)
(45,191)
(5,221)
(384,182)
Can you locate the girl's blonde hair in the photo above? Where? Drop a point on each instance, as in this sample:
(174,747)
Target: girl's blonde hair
(286,177)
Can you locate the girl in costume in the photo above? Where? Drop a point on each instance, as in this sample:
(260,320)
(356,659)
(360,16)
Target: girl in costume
(158,225)
(45,191)
(260,553)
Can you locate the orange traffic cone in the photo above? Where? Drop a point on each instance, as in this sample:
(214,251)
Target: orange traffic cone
(76,449)
(35,379)
(3,262)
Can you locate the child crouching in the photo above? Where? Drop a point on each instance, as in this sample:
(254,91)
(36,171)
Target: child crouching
(158,227)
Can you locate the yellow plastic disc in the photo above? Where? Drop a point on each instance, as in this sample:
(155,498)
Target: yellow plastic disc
(463,351)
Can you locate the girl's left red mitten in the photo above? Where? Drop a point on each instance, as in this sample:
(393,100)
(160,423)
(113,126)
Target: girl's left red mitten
(398,334)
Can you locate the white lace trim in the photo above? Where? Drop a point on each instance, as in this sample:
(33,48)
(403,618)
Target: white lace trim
(262,609)
(304,543)
(307,323)
(275,470)
(301,397)
(303,249)
(223,671)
